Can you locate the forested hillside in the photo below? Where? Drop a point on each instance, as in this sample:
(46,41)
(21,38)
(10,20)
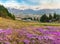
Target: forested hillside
(5,13)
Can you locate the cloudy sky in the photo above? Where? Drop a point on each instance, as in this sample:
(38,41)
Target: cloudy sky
(31,4)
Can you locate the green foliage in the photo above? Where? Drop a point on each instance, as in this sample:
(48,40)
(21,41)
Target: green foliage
(44,18)
(29,18)
(5,13)
(55,15)
(50,17)
(13,17)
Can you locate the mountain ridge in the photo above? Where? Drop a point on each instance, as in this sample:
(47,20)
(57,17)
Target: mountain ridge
(33,12)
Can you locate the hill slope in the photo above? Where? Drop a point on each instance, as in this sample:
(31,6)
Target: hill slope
(5,13)
(8,23)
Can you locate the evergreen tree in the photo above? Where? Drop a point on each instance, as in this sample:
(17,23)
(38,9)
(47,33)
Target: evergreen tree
(44,18)
(50,17)
(55,15)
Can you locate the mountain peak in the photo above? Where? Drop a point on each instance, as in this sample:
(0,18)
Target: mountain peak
(31,11)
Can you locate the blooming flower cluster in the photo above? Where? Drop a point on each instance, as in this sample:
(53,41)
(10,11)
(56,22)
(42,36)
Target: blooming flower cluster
(47,35)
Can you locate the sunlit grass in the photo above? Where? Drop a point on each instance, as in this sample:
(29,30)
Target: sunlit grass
(24,32)
(8,23)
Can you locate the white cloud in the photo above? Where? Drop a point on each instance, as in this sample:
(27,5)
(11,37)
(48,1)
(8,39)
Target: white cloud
(43,4)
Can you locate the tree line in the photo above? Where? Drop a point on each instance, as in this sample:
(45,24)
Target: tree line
(51,18)
(5,13)
(46,18)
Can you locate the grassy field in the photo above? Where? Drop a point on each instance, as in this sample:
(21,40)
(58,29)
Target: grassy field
(20,32)
(8,23)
